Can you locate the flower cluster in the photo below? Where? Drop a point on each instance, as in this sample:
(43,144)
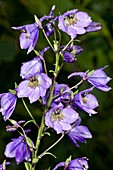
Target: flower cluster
(60,102)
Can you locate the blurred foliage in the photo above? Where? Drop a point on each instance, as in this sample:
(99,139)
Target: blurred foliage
(98,52)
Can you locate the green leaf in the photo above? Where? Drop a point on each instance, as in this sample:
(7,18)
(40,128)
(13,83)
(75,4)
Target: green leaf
(28,166)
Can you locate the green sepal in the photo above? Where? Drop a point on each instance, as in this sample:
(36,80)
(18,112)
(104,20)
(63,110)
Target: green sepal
(12,91)
(36,52)
(16,85)
(67,161)
(38,21)
(28,166)
(29,142)
(73,52)
(90,73)
(13,121)
(76,92)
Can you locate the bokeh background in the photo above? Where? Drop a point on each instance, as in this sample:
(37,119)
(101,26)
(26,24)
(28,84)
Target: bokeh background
(98,52)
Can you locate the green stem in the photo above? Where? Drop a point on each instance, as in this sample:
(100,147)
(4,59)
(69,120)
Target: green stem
(40,132)
(43,153)
(47,39)
(29,112)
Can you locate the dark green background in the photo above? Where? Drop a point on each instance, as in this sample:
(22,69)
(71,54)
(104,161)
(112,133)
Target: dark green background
(98,52)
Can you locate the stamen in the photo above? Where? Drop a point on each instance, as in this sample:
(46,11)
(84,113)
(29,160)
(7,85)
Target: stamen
(70,19)
(33,82)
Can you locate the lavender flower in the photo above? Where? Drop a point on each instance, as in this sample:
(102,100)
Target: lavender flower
(60,118)
(74,22)
(75,164)
(31,68)
(97,78)
(60,95)
(34,87)
(29,36)
(86,101)
(93,26)
(8,104)
(70,53)
(79,133)
(19,149)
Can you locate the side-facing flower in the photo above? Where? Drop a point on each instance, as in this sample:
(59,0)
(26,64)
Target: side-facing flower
(93,26)
(19,149)
(74,22)
(85,101)
(62,93)
(34,87)
(75,164)
(7,104)
(60,119)
(31,68)
(79,133)
(29,36)
(97,78)
(71,52)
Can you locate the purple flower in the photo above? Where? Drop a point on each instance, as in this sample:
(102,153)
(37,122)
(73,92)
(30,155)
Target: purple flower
(74,22)
(97,78)
(60,118)
(70,53)
(93,26)
(31,68)
(60,95)
(29,36)
(75,164)
(19,149)
(86,101)
(79,133)
(34,87)
(8,104)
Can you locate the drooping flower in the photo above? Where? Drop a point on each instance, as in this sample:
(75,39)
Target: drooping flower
(29,36)
(97,78)
(34,87)
(62,93)
(75,164)
(19,149)
(7,103)
(60,119)
(79,133)
(71,52)
(86,101)
(31,68)
(74,22)
(93,26)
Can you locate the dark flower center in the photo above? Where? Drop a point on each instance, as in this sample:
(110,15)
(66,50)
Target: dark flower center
(33,82)
(70,20)
(26,33)
(57,115)
(84,98)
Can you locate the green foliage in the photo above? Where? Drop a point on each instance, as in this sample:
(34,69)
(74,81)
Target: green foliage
(98,52)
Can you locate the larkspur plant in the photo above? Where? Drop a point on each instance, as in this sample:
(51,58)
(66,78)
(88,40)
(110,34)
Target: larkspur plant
(60,103)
